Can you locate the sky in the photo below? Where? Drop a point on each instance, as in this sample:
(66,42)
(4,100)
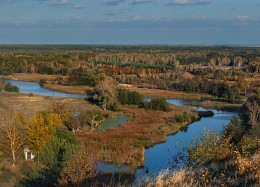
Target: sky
(130,22)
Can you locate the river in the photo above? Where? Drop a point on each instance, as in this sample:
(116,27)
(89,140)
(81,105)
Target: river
(159,156)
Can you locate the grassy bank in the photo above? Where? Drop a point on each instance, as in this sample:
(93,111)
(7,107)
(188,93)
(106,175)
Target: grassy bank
(30,77)
(218,105)
(126,143)
(157,93)
(68,89)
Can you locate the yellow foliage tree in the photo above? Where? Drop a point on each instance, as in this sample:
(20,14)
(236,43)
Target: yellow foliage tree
(41,129)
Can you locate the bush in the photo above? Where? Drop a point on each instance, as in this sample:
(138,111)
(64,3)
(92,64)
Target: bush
(181,118)
(10,88)
(209,148)
(156,104)
(129,98)
(42,82)
(235,130)
(250,114)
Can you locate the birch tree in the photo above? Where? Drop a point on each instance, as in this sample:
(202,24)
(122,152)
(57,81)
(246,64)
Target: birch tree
(14,138)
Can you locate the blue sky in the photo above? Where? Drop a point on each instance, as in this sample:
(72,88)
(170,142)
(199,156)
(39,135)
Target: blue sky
(175,22)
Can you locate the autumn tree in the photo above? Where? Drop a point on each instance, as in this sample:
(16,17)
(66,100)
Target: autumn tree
(59,108)
(78,171)
(15,136)
(84,120)
(106,93)
(41,129)
(251,111)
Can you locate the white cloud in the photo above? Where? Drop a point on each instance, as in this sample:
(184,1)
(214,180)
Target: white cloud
(60,2)
(78,6)
(245,18)
(180,2)
(197,17)
(191,2)
(204,2)
(139,18)
(134,2)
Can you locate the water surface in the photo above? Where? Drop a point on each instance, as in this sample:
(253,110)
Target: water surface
(35,88)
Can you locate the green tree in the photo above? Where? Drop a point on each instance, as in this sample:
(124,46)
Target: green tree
(10,88)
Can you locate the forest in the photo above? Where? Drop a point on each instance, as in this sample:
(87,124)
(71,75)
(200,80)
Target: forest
(135,81)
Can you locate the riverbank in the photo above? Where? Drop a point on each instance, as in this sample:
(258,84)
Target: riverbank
(30,77)
(126,144)
(68,89)
(218,105)
(154,93)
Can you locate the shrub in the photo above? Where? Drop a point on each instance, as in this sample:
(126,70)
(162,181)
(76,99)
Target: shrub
(156,104)
(251,111)
(209,148)
(129,98)
(42,82)
(235,130)
(10,88)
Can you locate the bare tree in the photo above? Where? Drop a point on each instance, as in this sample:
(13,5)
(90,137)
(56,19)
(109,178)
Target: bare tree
(14,137)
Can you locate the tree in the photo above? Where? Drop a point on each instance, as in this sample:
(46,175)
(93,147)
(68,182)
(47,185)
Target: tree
(251,111)
(41,129)
(106,93)
(84,119)
(209,148)
(78,171)
(57,152)
(15,137)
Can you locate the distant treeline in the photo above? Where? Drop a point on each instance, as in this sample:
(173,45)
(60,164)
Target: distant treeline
(60,59)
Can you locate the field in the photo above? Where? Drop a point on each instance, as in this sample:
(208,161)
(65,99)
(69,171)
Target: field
(11,103)
(31,77)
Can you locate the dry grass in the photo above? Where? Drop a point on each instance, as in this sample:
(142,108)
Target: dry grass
(68,89)
(11,103)
(216,174)
(166,93)
(32,77)
(126,143)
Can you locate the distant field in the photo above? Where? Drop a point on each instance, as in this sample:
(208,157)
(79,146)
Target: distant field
(166,93)
(33,77)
